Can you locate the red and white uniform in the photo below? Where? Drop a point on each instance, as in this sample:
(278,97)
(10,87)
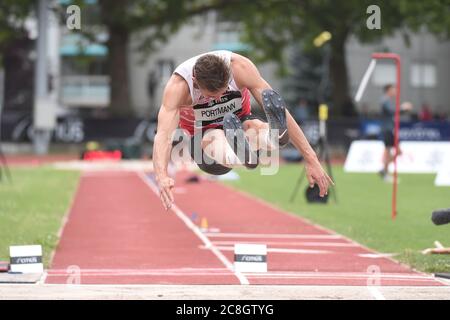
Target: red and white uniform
(206,113)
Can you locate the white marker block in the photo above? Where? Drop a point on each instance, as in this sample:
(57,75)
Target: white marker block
(26,259)
(250,257)
(443,177)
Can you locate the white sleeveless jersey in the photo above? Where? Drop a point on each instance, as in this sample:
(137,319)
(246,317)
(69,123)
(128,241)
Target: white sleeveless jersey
(207,112)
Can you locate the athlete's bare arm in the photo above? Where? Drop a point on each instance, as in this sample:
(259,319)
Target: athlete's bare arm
(175,95)
(247,75)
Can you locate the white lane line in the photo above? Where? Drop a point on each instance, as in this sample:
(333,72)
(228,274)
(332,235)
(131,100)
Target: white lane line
(348,275)
(376,293)
(272,235)
(188,222)
(331,276)
(141,269)
(286,243)
(225,271)
(377,255)
(43,278)
(249,276)
(159,274)
(277,250)
(146,272)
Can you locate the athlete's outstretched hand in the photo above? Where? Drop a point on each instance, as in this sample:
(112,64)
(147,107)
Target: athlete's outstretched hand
(165,189)
(316,175)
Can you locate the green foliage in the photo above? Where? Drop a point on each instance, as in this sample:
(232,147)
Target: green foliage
(433,14)
(12,18)
(154,21)
(271,25)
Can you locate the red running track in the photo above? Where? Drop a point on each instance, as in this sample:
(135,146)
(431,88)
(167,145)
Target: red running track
(118,233)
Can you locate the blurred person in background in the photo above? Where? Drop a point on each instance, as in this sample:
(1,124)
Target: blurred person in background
(425,113)
(387,127)
(441,116)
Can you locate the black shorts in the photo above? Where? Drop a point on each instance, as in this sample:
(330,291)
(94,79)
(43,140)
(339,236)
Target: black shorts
(203,161)
(388,138)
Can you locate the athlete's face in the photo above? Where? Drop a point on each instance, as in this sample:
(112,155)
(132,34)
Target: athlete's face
(213,95)
(209,94)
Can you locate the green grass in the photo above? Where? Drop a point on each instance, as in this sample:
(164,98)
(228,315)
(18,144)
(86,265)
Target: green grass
(32,208)
(363,211)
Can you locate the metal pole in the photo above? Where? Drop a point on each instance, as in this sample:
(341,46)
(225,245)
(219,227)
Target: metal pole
(396,138)
(397,59)
(41,138)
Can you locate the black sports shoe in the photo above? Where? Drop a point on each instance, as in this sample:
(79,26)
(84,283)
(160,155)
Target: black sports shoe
(234,132)
(275,110)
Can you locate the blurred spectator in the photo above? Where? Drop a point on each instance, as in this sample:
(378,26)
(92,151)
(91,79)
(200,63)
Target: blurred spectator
(388,110)
(425,113)
(441,116)
(301,111)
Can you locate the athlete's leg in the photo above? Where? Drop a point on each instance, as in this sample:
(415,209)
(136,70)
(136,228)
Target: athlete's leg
(257,133)
(388,140)
(387,159)
(275,109)
(216,147)
(202,160)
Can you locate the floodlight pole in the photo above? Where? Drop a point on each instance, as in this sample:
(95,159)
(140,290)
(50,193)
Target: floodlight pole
(41,109)
(397,59)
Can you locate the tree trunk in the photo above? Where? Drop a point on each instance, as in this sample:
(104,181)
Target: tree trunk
(111,15)
(340,89)
(118,71)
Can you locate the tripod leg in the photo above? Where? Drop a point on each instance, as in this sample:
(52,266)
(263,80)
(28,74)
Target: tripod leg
(329,169)
(297,186)
(299,182)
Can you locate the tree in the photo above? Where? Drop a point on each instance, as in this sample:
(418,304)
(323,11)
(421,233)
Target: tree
(15,49)
(272,26)
(154,21)
(12,21)
(303,80)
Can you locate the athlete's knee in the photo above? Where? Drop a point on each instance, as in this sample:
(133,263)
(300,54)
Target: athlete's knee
(215,136)
(255,124)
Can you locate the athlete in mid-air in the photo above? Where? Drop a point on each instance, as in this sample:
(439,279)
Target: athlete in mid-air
(209,96)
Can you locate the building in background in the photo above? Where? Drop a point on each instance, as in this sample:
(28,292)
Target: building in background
(425,70)
(84,82)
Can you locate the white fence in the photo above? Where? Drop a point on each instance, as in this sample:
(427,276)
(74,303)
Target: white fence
(417,157)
